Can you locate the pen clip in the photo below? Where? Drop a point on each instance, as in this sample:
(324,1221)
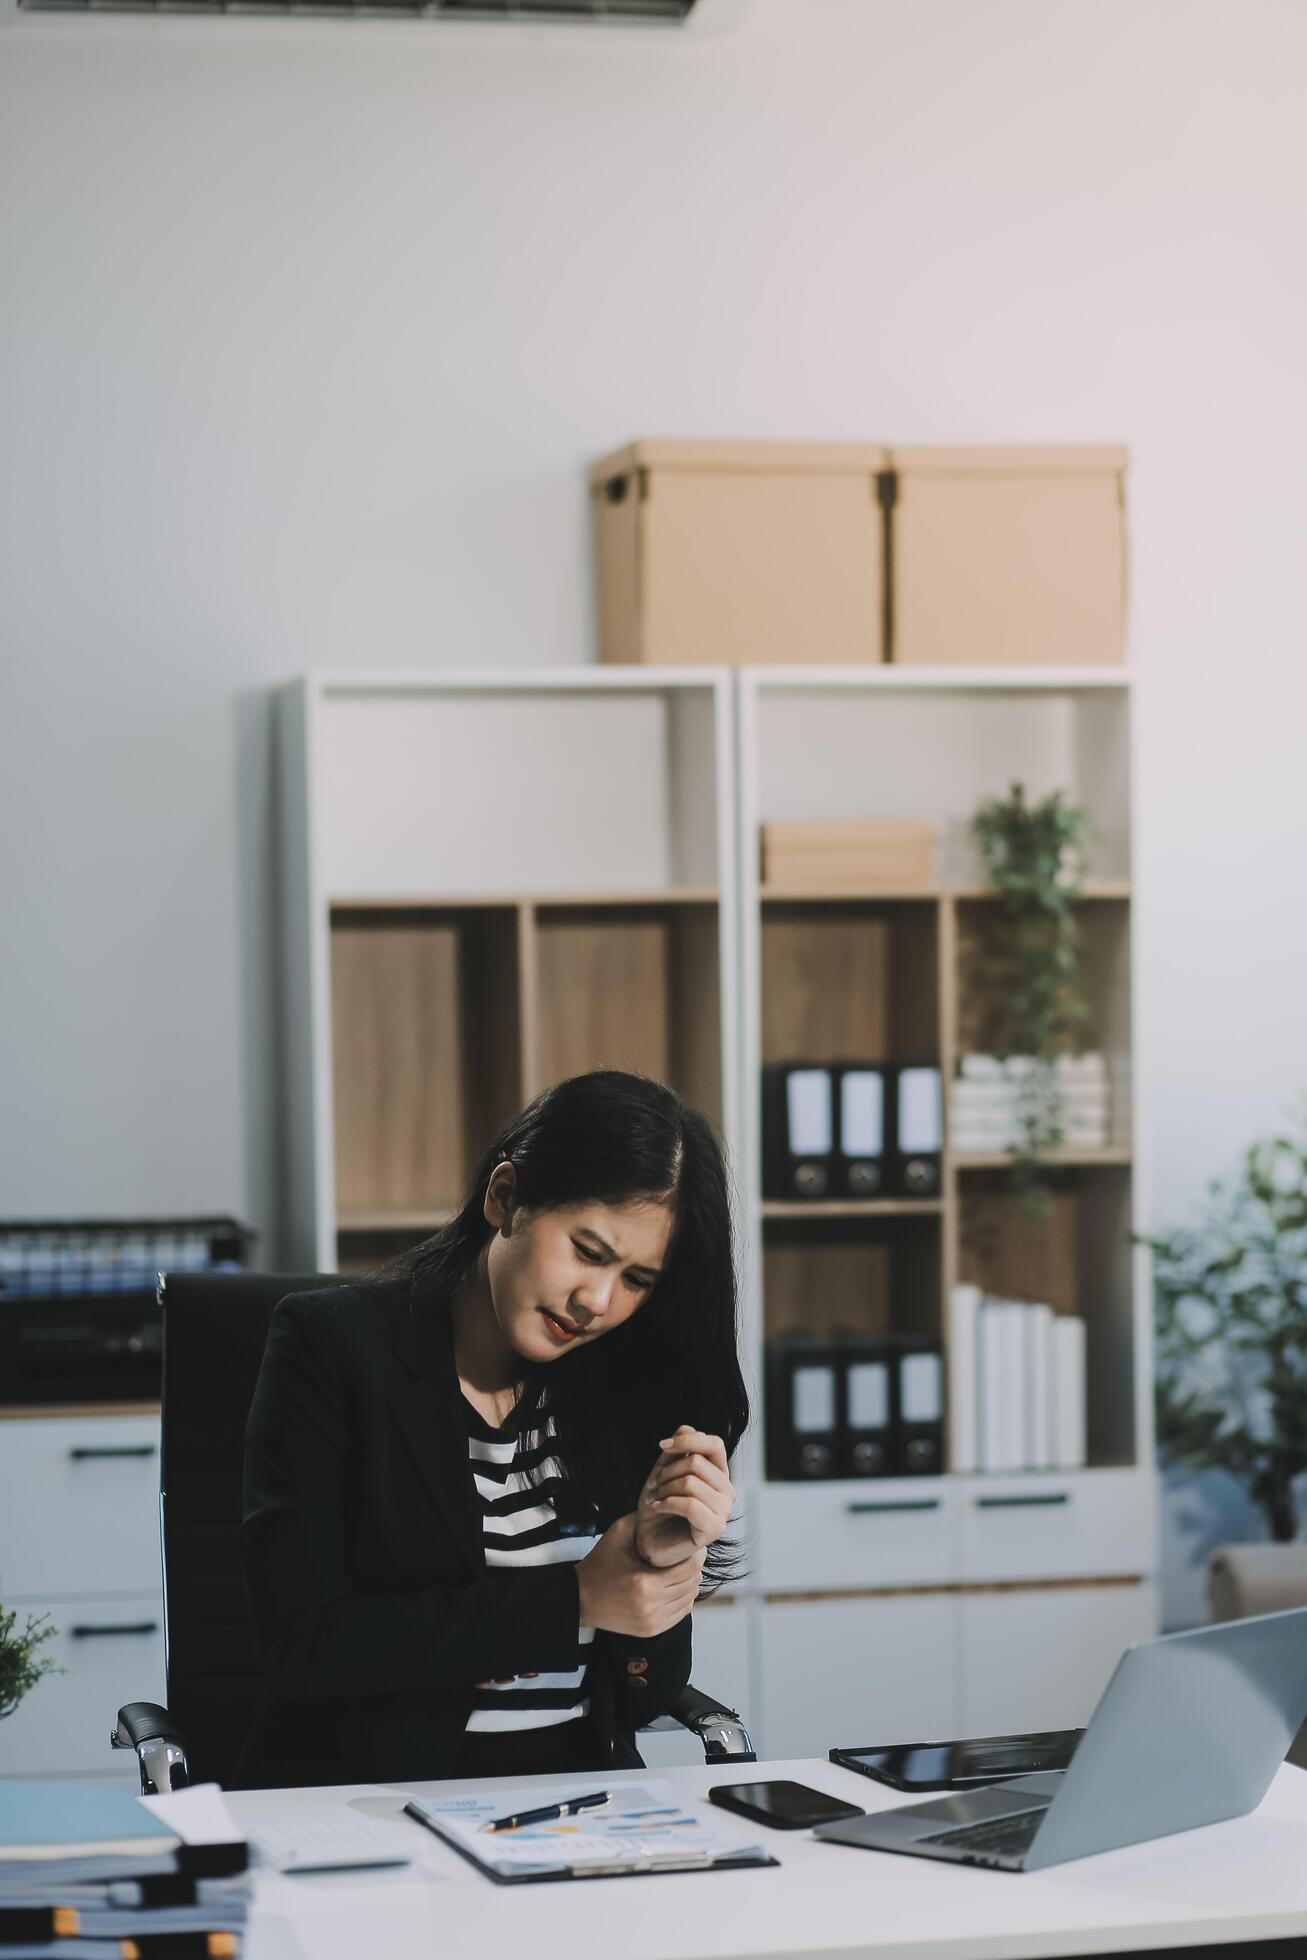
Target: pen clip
(551,1813)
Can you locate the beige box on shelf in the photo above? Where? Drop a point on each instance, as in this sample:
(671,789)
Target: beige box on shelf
(1007,556)
(727,553)
(872,857)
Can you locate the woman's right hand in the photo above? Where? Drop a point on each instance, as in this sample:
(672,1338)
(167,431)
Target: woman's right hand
(621,1594)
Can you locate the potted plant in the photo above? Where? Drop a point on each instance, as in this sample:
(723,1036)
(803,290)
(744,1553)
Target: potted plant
(21,1662)
(1231,1331)
(1036,856)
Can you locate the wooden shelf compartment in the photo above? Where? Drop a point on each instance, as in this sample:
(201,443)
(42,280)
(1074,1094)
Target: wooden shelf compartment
(370,1252)
(426,1052)
(393,1222)
(634,986)
(1077,1257)
(865,1277)
(850,980)
(1104,922)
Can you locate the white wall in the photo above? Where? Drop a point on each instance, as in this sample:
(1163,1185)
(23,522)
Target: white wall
(308,330)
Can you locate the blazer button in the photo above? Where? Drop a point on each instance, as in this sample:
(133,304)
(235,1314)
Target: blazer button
(638,1665)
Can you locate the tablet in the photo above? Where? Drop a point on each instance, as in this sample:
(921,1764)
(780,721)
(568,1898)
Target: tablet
(961,1765)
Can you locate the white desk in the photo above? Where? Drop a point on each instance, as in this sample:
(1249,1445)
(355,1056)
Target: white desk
(1245,1880)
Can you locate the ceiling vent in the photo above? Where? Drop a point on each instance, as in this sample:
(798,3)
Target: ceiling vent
(668,12)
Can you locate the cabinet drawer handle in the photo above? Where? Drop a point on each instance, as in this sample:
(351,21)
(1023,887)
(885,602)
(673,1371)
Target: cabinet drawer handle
(123,1626)
(83,1452)
(857,1509)
(1017,1502)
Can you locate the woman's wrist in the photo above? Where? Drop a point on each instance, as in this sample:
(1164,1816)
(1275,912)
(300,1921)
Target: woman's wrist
(642,1557)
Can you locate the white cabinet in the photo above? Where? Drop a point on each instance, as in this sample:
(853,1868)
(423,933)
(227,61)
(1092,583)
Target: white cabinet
(79,1542)
(721,1652)
(79,1505)
(853,1671)
(720,1668)
(812,1537)
(109,1651)
(1073,1526)
(1040,1659)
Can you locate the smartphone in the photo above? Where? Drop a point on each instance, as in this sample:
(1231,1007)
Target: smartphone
(961,1765)
(785,1806)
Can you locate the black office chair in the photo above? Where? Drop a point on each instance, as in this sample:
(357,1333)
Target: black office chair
(214,1329)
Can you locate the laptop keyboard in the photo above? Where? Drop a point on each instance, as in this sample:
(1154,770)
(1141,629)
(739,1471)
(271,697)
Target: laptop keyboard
(1002,1837)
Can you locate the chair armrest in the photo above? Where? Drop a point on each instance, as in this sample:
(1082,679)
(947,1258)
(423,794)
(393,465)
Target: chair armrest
(723,1735)
(152,1733)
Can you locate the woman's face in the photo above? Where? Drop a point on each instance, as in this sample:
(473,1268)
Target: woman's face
(559,1279)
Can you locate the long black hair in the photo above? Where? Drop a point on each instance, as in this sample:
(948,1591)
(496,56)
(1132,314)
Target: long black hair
(611,1138)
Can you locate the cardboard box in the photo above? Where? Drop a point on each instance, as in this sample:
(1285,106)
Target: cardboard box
(733,553)
(1007,557)
(870,857)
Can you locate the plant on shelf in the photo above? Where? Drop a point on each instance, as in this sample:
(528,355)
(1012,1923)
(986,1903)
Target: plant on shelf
(21,1662)
(1230,1296)
(1036,856)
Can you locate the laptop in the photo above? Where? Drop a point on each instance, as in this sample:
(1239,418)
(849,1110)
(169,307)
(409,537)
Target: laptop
(1190,1730)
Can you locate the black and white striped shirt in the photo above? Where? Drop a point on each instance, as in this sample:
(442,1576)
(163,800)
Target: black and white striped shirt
(523,1488)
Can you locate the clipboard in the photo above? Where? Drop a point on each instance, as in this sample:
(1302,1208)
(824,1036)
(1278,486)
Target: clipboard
(647,1816)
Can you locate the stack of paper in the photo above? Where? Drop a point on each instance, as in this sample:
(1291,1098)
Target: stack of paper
(1016,1384)
(643,1828)
(986,1097)
(91,1872)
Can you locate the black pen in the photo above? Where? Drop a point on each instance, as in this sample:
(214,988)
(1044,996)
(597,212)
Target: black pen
(548,1812)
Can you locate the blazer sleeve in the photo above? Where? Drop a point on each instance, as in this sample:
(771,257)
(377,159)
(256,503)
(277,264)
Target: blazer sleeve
(316,1636)
(647,1675)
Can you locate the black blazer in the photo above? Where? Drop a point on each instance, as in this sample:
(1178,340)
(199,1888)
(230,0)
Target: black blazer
(362,1542)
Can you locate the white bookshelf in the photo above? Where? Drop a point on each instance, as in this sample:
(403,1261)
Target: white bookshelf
(505,822)
(520,815)
(1065,1565)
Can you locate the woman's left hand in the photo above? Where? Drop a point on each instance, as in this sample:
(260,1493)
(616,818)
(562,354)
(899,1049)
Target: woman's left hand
(687,1498)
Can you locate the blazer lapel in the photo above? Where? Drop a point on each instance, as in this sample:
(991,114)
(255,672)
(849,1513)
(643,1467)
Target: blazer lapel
(428,1406)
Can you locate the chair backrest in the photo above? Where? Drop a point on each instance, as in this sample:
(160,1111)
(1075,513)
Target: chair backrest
(214,1329)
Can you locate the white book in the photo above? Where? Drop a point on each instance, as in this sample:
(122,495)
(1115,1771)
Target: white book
(1039,1387)
(1091,1067)
(1084,1133)
(980,1068)
(975,1133)
(1067,1377)
(1002,1386)
(994,1097)
(963,1334)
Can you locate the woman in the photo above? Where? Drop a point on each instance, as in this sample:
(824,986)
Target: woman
(483,1490)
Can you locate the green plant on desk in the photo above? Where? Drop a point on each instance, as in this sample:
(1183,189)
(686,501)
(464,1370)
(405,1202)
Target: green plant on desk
(1036,856)
(1230,1299)
(21,1662)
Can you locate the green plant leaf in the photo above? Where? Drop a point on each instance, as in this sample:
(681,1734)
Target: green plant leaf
(21,1663)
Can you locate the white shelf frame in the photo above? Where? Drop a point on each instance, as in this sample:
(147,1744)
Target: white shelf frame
(311,1221)
(753,684)
(306,908)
